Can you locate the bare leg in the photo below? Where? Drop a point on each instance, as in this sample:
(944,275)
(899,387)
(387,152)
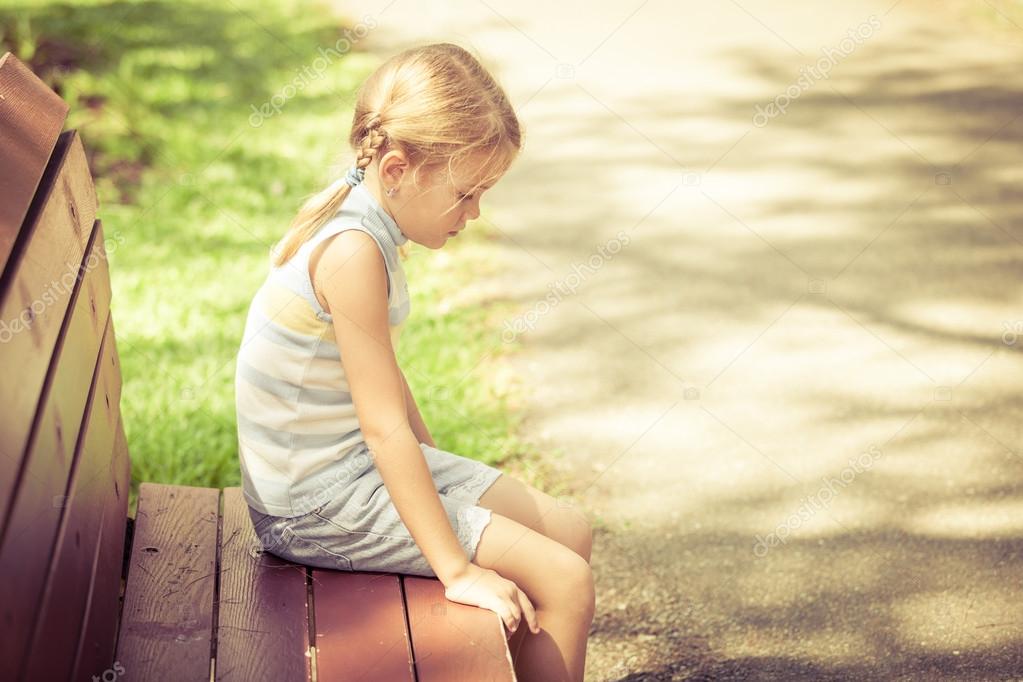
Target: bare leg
(559,583)
(543,513)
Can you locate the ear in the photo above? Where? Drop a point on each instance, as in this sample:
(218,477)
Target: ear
(393,166)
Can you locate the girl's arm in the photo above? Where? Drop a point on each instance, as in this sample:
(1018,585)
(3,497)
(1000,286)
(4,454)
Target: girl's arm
(361,328)
(415,419)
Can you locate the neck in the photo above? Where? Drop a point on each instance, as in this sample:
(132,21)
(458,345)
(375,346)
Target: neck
(372,189)
(372,185)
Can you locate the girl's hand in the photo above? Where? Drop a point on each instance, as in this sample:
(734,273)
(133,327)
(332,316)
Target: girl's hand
(485,588)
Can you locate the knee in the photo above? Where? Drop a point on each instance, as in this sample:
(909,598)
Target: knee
(573,530)
(577,590)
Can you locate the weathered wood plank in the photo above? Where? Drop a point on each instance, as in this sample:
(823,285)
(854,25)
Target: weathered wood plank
(167,617)
(96,649)
(31,116)
(454,642)
(361,632)
(62,610)
(263,616)
(36,295)
(38,504)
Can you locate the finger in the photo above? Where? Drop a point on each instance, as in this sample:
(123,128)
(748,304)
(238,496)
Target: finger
(516,610)
(509,619)
(527,607)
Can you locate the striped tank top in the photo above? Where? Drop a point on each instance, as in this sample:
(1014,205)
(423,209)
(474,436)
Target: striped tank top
(298,434)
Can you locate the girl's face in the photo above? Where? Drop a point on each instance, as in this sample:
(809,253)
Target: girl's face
(436,209)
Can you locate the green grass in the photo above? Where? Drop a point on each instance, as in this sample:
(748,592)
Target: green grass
(192,196)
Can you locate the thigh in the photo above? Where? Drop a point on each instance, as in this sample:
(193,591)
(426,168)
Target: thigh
(359,528)
(535,509)
(372,537)
(551,574)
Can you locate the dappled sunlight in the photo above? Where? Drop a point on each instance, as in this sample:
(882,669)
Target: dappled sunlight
(982,519)
(957,317)
(767,319)
(801,288)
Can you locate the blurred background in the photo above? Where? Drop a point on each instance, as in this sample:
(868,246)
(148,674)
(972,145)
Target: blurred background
(750,297)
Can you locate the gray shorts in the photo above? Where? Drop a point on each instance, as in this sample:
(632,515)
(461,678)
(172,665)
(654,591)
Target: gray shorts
(359,529)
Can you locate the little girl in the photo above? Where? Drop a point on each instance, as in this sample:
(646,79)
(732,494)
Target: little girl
(338,469)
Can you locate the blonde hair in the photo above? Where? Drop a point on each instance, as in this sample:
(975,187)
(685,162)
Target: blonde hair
(438,105)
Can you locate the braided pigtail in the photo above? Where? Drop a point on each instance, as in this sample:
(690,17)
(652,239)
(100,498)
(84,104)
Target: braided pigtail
(322,206)
(372,141)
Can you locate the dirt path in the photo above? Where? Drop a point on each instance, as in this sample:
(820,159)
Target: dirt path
(778,349)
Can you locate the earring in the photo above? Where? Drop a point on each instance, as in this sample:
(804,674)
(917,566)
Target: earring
(391,191)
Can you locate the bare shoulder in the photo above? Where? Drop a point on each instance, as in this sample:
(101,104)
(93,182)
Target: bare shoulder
(346,257)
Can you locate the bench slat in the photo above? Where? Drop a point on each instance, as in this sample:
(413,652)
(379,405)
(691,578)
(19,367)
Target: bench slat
(454,642)
(99,636)
(71,572)
(360,627)
(55,240)
(167,617)
(30,121)
(263,619)
(37,505)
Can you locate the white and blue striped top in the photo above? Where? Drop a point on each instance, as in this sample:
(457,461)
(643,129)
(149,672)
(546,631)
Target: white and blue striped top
(298,435)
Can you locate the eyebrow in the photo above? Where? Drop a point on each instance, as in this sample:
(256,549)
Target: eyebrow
(478,188)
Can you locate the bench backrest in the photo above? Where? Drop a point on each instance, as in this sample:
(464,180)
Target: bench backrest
(64,467)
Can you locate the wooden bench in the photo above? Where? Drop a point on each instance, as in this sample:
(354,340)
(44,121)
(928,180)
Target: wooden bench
(182,591)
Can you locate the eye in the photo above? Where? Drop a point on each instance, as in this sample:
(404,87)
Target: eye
(466,197)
